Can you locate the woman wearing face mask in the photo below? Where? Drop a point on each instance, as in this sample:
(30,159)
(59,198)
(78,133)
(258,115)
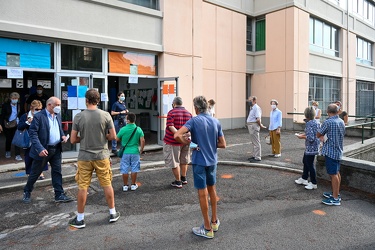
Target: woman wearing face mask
(275,129)
(118,113)
(25,121)
(318,112)
(9,120)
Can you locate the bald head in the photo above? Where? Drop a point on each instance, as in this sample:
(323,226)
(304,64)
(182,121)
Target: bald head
(332,109)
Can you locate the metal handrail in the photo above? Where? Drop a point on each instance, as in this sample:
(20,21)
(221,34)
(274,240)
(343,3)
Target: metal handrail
(352,125)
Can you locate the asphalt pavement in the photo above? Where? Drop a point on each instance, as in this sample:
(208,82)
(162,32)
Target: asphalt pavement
(260,207)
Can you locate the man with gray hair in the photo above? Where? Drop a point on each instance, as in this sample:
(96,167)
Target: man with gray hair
(254,124)
(334,130)
(176,154)
(206,132)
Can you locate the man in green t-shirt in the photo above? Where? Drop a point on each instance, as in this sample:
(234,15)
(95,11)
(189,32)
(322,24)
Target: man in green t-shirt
(132,136)
(95,128)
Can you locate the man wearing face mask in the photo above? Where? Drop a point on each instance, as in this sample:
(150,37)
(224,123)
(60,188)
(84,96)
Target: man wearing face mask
(39,95)
(46,136)
(254,124)
(275,128)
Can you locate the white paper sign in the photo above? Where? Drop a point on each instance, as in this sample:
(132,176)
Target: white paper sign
(15,73)
(133,79)
(104,97)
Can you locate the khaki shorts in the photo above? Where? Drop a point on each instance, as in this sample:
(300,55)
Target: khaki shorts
(176,155)
(86,168)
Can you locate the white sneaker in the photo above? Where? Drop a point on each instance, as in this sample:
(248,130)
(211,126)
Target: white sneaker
(311,186)
(125,188)
(18,158)
(133,187)
(277,156)
(301,181)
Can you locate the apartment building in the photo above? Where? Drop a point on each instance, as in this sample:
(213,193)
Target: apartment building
(153,50)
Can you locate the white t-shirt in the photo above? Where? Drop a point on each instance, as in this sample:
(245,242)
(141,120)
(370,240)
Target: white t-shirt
(211,110)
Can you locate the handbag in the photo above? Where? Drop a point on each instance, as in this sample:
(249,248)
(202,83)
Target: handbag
(21,139)
(120,153)
(11,124)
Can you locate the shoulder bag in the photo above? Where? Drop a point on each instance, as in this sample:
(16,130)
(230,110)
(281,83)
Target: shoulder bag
(21,139)
(120,153)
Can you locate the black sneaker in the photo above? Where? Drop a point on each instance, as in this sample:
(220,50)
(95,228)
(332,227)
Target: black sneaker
(114,217)
(77,224)
(26,197)
(63,198)
(183,180)
(176,184)
(114,151)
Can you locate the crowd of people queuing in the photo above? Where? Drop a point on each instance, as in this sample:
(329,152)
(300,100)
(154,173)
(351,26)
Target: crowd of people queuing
(187,139)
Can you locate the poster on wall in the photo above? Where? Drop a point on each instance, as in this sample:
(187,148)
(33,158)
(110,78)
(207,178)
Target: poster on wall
(168,96)
(144,98)
(76,97)
(5,83)
(19,84)
(45,83)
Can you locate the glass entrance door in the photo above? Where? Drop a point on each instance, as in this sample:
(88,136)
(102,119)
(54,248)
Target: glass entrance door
(72,90)
(167,91)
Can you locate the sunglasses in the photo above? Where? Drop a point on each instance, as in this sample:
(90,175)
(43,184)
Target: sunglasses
(37,109)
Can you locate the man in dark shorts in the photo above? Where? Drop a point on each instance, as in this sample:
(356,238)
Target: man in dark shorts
(205,131)
(332,133)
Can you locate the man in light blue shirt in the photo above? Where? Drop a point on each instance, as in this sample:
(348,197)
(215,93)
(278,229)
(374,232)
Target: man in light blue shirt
(275,127)
(254,123)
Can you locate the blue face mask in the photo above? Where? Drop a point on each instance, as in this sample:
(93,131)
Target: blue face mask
(122,98)
(14,101)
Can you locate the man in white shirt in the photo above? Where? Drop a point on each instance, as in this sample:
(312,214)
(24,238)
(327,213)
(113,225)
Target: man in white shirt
(254,124)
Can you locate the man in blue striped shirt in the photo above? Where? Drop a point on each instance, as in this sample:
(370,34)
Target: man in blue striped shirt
(332,132)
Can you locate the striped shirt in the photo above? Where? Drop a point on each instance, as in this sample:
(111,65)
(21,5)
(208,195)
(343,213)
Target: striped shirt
(334,129)
(176,117)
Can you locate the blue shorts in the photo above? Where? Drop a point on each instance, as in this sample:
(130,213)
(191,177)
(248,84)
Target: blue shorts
(130,163)
(332,166)
(204,176)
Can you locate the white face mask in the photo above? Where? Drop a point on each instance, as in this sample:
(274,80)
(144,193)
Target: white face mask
(315,107)
(39,91)
(273,106)
(57,109)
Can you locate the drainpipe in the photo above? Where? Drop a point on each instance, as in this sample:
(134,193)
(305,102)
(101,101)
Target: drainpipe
(347,55)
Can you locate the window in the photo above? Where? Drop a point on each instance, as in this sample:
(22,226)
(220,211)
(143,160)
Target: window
(365,9)
(249,34)
(323,38)
(152,4)
(132,63)
(81,58)
(365,98)
(364,51)
(260,34)
(26,54)
(324,89)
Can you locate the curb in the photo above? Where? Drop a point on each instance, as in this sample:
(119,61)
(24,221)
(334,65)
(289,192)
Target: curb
(148,165)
